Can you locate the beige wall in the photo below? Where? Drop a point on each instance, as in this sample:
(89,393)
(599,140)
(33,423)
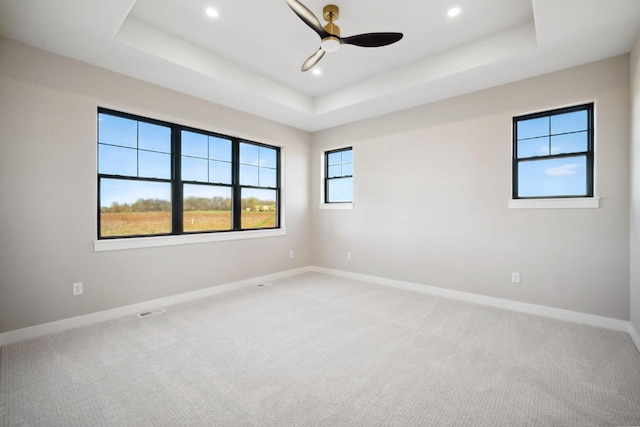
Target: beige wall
(635,187)
(431,190)
(48,194)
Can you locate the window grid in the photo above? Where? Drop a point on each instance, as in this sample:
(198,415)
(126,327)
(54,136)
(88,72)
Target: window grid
(259,168)
(210,159)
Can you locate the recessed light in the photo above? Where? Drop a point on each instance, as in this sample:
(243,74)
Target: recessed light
(454,11)
(317,72)
(212,12)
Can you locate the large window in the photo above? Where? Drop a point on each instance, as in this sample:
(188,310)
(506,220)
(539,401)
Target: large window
(338,176)
(157,178)
(553,153)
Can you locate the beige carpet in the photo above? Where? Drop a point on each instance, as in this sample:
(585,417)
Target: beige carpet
(315,350)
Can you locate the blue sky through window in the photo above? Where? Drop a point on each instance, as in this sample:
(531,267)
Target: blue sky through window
(257,165)
(564,176)
(340,190)
(541,137)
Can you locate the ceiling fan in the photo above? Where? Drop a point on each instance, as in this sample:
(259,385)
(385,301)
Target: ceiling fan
(330,33)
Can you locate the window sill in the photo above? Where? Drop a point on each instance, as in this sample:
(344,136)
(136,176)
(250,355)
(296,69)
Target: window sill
(183,239)
(342,206)
(577,203)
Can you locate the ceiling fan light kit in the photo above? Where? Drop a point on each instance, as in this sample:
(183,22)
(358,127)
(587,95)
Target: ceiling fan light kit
(330,33)
(330,44)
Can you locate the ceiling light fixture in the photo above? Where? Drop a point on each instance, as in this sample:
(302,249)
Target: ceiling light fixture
(317,72)
(212,12)
(330,44)
(453,12)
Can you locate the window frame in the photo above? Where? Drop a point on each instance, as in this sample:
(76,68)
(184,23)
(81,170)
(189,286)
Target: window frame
(589,153)
(326,177)
(177,184)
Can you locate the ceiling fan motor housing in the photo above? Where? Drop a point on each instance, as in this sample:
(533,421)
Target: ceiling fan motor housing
(330,13)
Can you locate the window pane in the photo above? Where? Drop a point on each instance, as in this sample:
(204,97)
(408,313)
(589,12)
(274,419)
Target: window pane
(533,147)
(555,177)
(267,177)
(569,122)
(249,154)
(130,208)
(117,131)
(569,143)
(533,127)
(194,144)
(347,156)
(248,175)
(334,158)
(340,190)
(194,169)
(219,149)
(267,157)
(206,208)
(154,137)
(219,172)
(347,169)
(258,208)
(154,165)
(335,170)
(117,160)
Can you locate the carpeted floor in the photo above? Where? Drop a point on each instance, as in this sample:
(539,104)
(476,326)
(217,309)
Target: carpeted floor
(315,350)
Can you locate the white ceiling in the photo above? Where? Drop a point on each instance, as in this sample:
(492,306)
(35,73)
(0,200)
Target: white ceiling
(249,57)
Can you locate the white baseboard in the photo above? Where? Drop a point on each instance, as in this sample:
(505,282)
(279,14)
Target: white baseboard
(539,310)
(101,316)
(635,336)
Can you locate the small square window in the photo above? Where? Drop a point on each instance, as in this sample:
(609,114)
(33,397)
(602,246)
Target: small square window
(553,153)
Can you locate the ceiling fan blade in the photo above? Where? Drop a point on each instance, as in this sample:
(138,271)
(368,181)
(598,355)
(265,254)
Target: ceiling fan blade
(313,60)
(372,39)
(308,17)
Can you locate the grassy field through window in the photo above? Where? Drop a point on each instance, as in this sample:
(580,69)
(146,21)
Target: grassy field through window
(144,223)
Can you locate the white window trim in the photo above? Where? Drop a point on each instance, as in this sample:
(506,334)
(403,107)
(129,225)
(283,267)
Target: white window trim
(338,206)
(559,203)
(182,239)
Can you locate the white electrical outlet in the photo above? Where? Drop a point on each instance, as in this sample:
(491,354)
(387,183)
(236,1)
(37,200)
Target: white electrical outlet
(515,277)
(349,255)
(291,254)
(78,289)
